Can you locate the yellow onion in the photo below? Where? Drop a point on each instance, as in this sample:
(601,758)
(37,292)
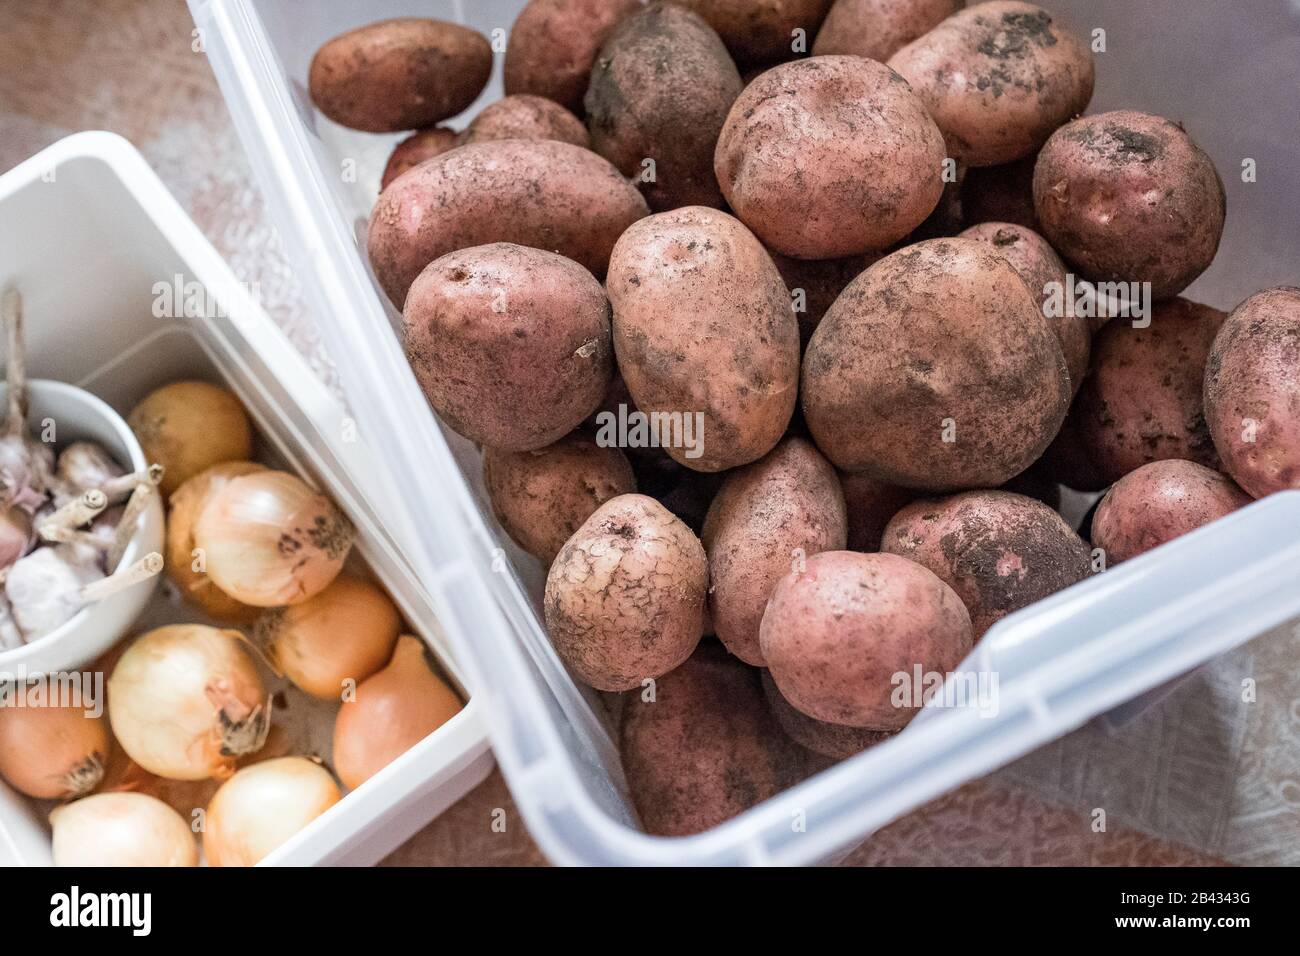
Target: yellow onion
(186,700)
(345,632)
(264,805)
(183,509)
(52,752)
(121,829)
(269,540)
(392,712)
(189,426)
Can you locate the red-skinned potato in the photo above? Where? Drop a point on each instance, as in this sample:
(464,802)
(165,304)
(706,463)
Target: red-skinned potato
(759,32)
(1143,401)
(830,740)
(1252,392)
(869,505)
(524,116)
(837,630)
(399,74)
(828,157)
(421,145)
(964,386)
(1036,261)
(625,597)
(703,324)
(766,518)
(660,91)
(877,29)
(540,193)
(998,78)
(998,550)
(1159,502)
(1128,197)
(542,497)
(553,44)
(704,747)
(510,344)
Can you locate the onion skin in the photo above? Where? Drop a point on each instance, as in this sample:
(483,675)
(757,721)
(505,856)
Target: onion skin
(189,426)
(186,700)
(268,540)
(121,829)
(393,711)
(264,805)
(346,631)
(183,509)
(52,753)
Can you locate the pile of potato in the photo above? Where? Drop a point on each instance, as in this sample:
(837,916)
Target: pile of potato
(841,235)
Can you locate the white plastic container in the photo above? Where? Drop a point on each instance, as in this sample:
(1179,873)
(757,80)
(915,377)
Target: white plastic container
(87,231)
(1060,662)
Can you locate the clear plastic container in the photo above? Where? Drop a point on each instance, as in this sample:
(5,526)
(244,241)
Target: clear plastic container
(1060,663)
(86,232)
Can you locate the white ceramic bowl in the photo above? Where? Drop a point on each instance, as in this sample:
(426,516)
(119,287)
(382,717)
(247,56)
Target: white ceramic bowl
(78,415)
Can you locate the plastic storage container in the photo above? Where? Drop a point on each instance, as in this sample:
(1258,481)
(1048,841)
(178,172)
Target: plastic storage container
(1059,663)
(87,231)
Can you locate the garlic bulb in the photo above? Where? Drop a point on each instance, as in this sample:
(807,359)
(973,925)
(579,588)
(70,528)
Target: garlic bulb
(262,806)
(121,829)
(186,700)
(268,540)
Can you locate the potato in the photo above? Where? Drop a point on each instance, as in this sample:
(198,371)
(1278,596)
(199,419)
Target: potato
(421,145)
(1143,400)
(625,597)
(869,505)
(399,74)
(759,32)
(660,91)
(998,550)
(1038,264)
(837,631)
(1159,502)
(830,156)
(1128,197)
(703,329)
(815,284)
(553,44)
(877,29)
(541,193)
(511,345)
(767,518)
(1001,194)
(525,117)
(935,370)
(542,497)
(705,747)
(1252,392)
(998,78)
(830,740)
(188,426)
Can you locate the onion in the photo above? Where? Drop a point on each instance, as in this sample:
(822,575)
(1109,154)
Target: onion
(186,700)
(189,426)
(52,752)
(269,540)
(183,509)
(346,631)
(264,805)
(121,829)
(392,712)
